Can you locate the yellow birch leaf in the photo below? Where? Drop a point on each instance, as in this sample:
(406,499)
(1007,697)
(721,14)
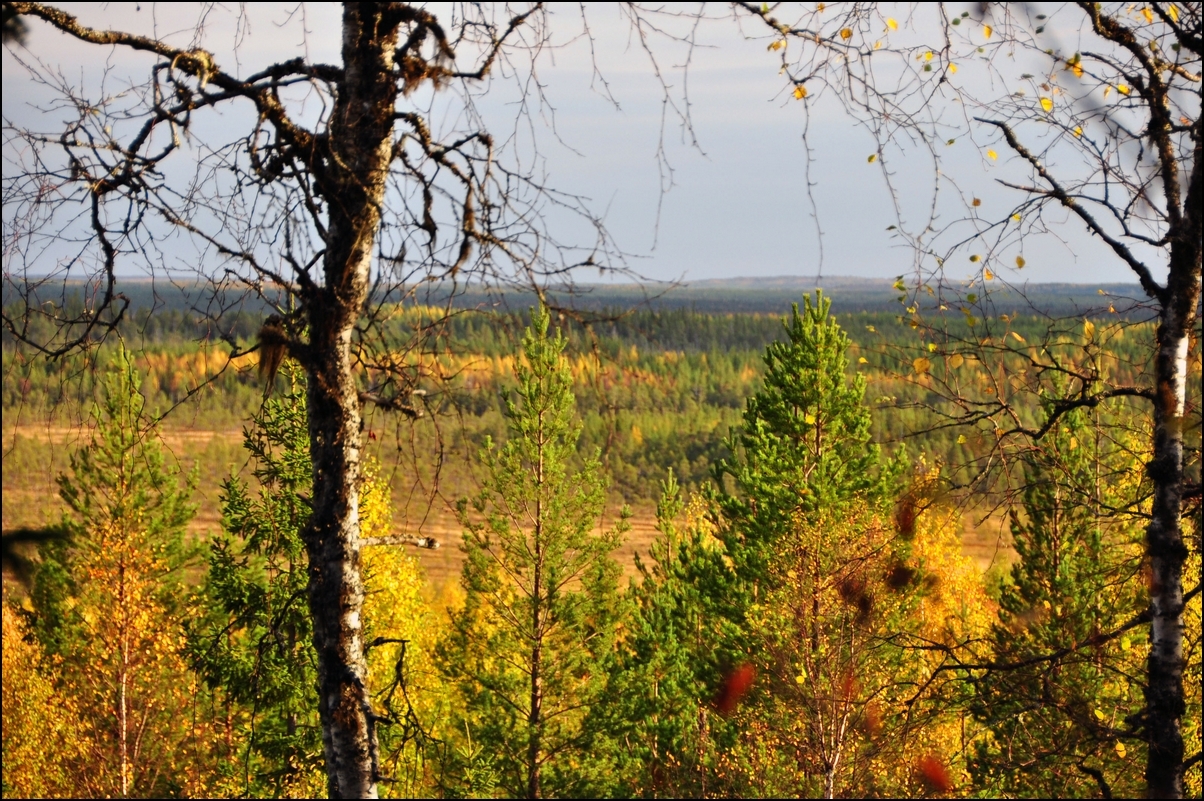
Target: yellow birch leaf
(871,329)
(988,275)
(1078,130)
(878,45)
(1098,715)
(1120,749)
(986,31)
(777,45)
(1107,91)
(1020,262)
(890,23)
(928,56)
(956,360)
(992,155)
(1149,15)
(862,360)
(1111,308)
(1077,69)
(800,92)
(845,33)
(1017,337)
(961,439)
(809,419)
(1172,11)
(921,365)
(1088,329)
(1125,643)
(1123,89)
(976,202)
(1047,104)
(873,157)
(932,347)
(1016,217)
(800,678)
(953,68)
(820,7)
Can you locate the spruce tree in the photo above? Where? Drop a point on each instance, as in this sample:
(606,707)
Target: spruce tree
(528,648)
(255,647)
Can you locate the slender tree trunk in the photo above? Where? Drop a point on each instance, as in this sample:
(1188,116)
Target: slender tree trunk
(123,657)
(534,719)
(354,172)
(1164,536)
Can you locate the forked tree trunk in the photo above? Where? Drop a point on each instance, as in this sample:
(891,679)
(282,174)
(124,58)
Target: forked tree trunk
(355,168)
(1164,536)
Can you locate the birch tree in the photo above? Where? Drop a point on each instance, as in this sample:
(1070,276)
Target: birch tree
(1089,114)
(322,190)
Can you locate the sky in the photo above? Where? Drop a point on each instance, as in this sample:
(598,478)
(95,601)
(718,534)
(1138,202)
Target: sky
(737,204)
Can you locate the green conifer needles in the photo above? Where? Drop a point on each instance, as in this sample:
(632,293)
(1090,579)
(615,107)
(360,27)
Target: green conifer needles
(542,599)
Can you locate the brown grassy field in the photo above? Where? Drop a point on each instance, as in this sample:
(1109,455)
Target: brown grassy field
(34,455)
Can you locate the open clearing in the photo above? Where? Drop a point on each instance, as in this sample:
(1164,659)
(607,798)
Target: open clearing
(39,453)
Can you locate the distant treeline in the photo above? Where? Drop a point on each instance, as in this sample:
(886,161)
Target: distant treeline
(235,309)
(655,388)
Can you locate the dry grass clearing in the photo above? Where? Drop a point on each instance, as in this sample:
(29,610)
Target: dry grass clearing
(34,455)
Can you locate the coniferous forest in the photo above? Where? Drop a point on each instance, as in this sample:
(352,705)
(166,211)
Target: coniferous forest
(682,553)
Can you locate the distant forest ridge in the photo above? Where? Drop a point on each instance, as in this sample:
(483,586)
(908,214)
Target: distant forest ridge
(760,294)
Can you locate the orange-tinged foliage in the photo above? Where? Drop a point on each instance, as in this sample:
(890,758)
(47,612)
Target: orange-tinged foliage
(933,774)
(109,609)
(41,728)
(846,661)
(736,685)
(127,668)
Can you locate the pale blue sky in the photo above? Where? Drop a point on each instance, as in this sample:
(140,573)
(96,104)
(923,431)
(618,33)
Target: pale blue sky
(738,205)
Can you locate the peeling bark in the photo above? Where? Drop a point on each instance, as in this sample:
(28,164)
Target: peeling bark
(1165,547)
(332,182)
(353,181)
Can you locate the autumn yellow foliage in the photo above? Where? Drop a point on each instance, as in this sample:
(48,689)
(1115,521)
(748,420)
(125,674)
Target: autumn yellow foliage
(41,724)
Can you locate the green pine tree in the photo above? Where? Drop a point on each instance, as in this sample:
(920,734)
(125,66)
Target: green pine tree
(804,445)
(255,647)
(528,648)
(661,679)
(1063,725)
(760,658)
